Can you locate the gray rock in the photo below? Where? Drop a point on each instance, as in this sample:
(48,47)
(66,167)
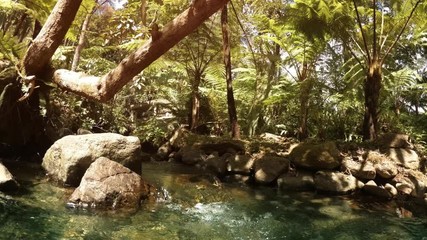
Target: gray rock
(269,168)
(299,181)
(108,184)
(405,157)
(69,157)
(337,182)
(7,181)
(316,156)
(372,188)
(362,170)
(240,164)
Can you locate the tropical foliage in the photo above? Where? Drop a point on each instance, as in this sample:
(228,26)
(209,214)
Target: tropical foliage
(299,68)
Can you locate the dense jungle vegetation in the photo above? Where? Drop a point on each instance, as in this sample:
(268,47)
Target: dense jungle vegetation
(326,69)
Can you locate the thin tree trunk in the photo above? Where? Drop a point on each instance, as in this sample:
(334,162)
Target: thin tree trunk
(232,113)
(104,88)
(50,37)
(305,90)
(19,24)
(195,103)
(81,43)
(372,93)
(144,12)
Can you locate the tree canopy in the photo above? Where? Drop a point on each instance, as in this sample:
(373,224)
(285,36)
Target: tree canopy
(328,69)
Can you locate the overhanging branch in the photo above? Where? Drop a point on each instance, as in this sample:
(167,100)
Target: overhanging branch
(105,87)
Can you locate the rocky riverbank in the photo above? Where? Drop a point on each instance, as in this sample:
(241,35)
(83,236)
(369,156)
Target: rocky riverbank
(390,168)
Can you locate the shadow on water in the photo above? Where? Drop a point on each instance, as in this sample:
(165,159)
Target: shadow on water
(22,221)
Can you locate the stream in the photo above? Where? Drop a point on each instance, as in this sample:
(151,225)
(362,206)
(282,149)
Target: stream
(191,207)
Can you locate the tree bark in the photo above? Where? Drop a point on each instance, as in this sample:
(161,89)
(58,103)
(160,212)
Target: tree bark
(105,87)
(195,102)
(372,93)
(81,44)
(50,37)
(305,89)
(144,12)
(232,113)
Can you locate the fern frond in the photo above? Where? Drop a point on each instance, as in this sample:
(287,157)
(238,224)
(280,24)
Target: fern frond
(10,48)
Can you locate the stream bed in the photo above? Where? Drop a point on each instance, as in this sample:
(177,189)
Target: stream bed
(191,207)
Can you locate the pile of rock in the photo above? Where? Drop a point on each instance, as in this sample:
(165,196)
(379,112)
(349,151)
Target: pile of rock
(393,169)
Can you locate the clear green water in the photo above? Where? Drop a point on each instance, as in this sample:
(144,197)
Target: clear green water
(199,210)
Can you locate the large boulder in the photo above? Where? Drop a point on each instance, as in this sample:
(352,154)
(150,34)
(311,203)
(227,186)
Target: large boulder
(407,158)
(108,184)
(316,156)
(69,157)
(7,181)
(337,182)
(296,181)
(268,168)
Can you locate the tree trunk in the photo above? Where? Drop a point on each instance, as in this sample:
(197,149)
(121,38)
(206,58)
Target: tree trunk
(372,93)
(50,37)
(19,25)
(81,43)
(305,89)
(104,88)
(144,12)
(232,113)
(195,102)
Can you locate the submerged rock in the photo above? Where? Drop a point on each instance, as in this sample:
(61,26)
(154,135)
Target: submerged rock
(7,181)
(108,184)
(336,182)
(298,181)
(69,158)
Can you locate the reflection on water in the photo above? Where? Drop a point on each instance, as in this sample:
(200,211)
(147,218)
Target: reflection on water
(193,208)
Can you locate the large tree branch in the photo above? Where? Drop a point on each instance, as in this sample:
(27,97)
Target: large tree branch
(105,87)
(50,37)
